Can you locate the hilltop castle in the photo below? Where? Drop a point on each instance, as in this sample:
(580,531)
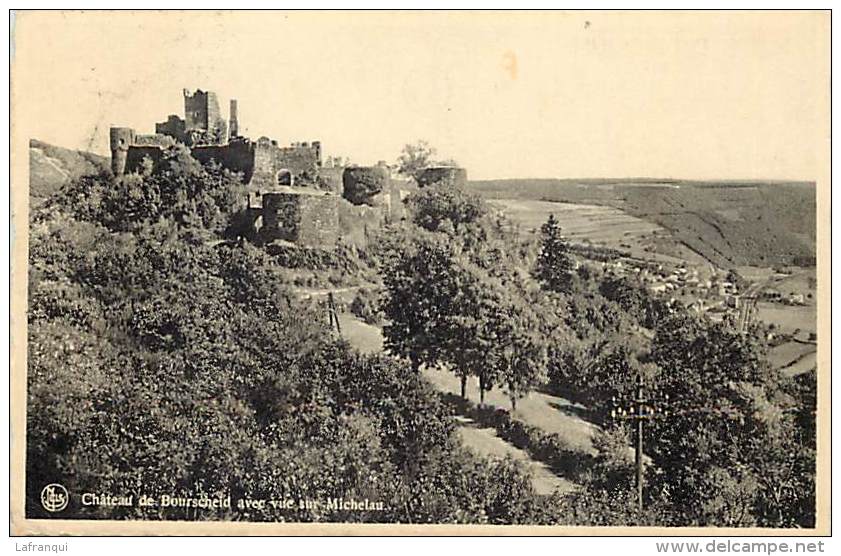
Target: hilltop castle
(292,197)
(263,163)
(283,200)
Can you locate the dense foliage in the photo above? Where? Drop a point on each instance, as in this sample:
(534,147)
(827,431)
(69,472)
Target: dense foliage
(164,363)
(366,306)
(362,184)
(737,448)
(455,297)
(439,206)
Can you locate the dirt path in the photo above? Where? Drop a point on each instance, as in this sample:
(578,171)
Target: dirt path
(486,442)
(550,413)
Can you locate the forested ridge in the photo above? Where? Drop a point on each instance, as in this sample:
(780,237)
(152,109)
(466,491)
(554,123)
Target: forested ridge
(167,357)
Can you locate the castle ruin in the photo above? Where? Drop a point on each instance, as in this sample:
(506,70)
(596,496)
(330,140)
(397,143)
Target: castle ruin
(281,181)
(291,196)
(263,163)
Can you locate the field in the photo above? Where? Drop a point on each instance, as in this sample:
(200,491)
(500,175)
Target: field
(728,223)
(793,357)
(788,318)
(599,225)
(805,364)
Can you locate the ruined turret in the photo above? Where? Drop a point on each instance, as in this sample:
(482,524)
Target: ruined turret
(449,175)
(121,139)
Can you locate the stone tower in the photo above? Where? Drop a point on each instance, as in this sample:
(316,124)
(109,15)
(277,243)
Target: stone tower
(202,115)
(233,126)
(201,110)
(121,139)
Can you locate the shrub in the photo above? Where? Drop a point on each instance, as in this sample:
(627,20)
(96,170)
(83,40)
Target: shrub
(366,306)
(362,184)
(441,207)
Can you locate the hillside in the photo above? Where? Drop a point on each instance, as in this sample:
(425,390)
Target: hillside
(51,167)
(729,223)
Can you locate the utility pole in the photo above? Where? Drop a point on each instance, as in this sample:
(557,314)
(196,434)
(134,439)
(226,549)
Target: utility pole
(640,410)
(746,311)
(332,313)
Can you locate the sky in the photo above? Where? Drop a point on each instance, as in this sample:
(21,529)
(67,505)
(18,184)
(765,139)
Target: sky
(700,95)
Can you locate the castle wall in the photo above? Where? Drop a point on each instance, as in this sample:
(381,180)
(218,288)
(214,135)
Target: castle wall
(264,176)
(121,139)
(201,109)
(237,156)
(357,223)
(137,153)
(201,113)
(307,219)
(297,159)
(449,175)
(270,160)
(332,179)
(174,126)
(156,140)
(258,162)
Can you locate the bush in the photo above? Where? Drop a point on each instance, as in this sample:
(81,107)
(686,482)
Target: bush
(362,184)
(540,445)
(366,306)
(442,207)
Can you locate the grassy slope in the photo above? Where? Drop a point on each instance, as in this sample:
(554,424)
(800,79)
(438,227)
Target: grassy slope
(51,167)
(729,223)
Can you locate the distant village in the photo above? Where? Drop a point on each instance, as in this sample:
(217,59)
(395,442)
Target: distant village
(716,293)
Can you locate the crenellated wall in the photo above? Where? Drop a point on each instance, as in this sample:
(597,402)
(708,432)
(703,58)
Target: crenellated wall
(298,160)
(260,162)
(290,198)
(331,178)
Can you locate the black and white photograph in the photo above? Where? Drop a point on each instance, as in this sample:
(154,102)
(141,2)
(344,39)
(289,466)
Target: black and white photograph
(294,270)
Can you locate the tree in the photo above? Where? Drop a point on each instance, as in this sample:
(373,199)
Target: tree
(422,285)
(432,207)
(727,452)
(524,354)
(554,265)
(414,157)
(635,300)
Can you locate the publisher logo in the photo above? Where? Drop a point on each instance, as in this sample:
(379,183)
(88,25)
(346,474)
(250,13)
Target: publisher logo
(54,497)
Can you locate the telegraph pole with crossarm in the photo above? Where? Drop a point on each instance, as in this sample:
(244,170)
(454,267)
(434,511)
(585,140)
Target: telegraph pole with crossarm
(640,410)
